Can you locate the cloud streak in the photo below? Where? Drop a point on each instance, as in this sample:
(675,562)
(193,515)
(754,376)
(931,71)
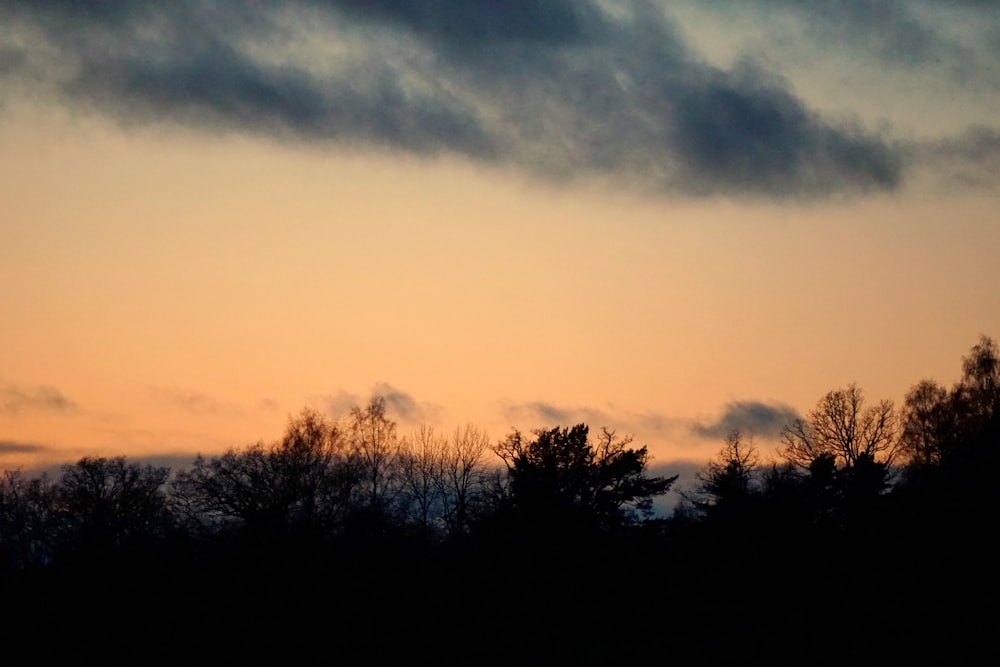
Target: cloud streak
(970,161)
(15,400)
(541,414)
(756,418)
(559,90)
(904,33)
(196,402)
(13,447)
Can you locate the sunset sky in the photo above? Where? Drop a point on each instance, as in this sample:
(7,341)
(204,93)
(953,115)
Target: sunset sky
(666,218)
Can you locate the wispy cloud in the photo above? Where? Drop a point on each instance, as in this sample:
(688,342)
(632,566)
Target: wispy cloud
(541,414)
(400,405)
(971,160)
(954,36)
(268,405)
(196,402)
(555,88)
(760,419)
(15,399)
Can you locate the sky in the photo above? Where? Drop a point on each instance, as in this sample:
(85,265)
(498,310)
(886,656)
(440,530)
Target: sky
(670,219)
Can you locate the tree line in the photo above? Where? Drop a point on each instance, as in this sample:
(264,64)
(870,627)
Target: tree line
(324,481)
(870,529)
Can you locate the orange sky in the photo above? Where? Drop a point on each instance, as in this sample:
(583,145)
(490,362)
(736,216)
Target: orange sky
(169,290)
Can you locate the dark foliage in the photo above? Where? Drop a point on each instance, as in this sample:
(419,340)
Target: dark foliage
(348,544)
(560,479)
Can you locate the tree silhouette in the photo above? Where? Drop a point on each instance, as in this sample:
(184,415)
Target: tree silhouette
(843,427)
(27,520)
(421,470)
(727,482)
(543,539)
(981,378)
(561,478)
(464,477)
(376,448)
(958,427)
(303,483)
(928,423)
(108,503)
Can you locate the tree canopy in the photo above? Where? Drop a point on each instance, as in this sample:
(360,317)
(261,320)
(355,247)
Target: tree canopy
(561,475)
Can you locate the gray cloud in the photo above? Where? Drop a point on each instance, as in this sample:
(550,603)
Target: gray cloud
(400,405)
(339,404)
(889,28)
(11,60)
(541,414)
(176,462)
(547,414)
(16,399)
(558,89)
(763,420)
(970,160)
(196,402)
(941,40)
(741,131)
(268,404)
(13,447)
(468,24)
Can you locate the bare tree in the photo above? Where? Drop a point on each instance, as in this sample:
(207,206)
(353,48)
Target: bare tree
(464,475)
(843,427)
(27,520)
(236,488)
(938,423)
(305,481)
(421,467)
(375,446)
(318,476)
(108,503)
(977,395)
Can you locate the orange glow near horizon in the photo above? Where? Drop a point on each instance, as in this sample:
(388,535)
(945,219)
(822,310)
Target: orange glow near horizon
(189,295)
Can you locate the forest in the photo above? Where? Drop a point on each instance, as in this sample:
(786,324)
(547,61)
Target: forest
(868,536)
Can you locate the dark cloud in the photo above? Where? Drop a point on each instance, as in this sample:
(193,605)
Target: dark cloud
(11,60)
(56,462)
(15,399)
(970,160)
(559,89)
(743,132)
(13,447)
(752,418)
(176,462)
(468,24)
